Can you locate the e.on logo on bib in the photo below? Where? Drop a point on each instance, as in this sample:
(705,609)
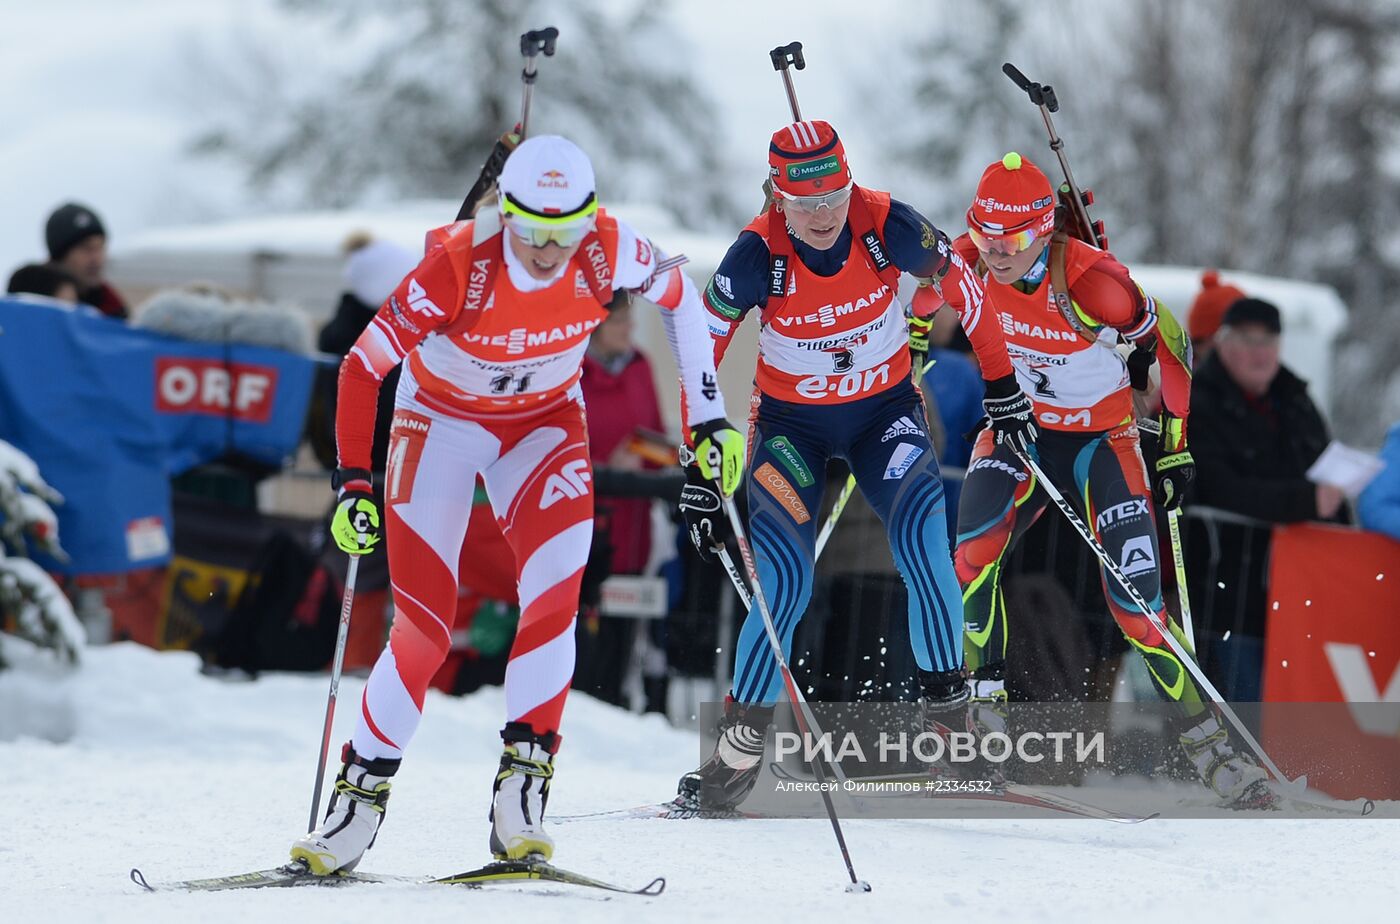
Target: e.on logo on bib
(207,386)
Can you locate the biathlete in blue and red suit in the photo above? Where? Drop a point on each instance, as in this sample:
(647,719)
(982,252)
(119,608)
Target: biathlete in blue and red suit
(821,266)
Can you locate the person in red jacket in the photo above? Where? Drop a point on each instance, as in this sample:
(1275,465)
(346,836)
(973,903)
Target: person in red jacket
(617,379)
(820,268)
(491,329)
(1063,305)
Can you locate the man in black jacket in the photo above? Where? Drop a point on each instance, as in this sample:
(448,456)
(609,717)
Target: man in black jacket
(1254,429)
(1254,433)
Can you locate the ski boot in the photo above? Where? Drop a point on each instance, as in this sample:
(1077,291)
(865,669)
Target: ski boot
(520,794)
(353,817)
(1233,776)
(952,715)
(945,700)
(726,779)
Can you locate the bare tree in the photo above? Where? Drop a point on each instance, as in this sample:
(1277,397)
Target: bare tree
(1251,135)
(426,86)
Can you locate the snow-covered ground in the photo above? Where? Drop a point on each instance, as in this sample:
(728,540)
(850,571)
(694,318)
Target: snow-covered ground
(186,776)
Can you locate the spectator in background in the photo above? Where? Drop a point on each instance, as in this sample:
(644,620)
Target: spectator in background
(1254,434)
(620,391)
(1254,429)
(1204,317)
(45,279)
(77,242)
(1378,507)
(373,269)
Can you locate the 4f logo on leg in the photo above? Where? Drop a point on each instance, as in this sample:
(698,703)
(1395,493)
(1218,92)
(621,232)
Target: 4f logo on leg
(570,482)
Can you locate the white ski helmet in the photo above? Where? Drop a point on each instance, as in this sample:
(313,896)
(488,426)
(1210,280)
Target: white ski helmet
(550,178)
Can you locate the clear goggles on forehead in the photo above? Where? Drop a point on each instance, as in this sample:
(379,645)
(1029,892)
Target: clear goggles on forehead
(1003,245)
(832,200)
(539,230)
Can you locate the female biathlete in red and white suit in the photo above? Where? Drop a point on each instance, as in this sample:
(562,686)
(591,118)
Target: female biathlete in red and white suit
(491,329)
(1062,311)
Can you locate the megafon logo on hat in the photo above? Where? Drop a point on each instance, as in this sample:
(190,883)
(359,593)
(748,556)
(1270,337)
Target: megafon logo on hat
(811,169)
(552,179)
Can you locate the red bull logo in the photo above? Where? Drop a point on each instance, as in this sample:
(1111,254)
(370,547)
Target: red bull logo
(552,179)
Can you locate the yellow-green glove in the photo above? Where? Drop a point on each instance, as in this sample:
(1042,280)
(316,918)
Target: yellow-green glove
(1176,470)
(358,525)
(720,453)
(918,333)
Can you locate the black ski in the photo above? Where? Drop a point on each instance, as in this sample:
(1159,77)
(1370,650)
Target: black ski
(288,876)
(296,874)
(675,810)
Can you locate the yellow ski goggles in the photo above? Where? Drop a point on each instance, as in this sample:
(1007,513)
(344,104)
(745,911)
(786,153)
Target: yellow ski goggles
(540,230)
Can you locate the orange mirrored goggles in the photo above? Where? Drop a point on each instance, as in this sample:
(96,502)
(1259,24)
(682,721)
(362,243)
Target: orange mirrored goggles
(1003,245)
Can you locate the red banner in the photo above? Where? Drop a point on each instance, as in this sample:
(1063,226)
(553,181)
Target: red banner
(185,385)
(1334,636)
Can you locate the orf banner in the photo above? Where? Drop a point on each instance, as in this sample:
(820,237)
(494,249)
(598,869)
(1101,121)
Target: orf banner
(1334,636)
(110,413)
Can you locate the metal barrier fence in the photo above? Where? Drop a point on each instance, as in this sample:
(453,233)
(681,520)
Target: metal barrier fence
(853,643)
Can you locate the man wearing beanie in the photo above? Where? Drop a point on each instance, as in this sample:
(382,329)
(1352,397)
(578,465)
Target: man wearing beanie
(821,267)
(1255,432)
(77,242)
(1063,305)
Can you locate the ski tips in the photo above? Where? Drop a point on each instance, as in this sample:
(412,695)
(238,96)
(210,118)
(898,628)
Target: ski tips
(138,878)
(655,887)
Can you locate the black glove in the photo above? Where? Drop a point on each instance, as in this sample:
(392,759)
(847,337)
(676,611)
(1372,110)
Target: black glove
(1176,470)
(1140,362)
(1011,414)
(703,512)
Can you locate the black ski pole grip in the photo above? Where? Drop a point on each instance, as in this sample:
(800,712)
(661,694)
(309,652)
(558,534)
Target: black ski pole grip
(539,41)
(789,54)
(1018,78)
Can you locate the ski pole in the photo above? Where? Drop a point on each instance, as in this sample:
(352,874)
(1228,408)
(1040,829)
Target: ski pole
(746,598)
(784,57)
(347,603)
(539,41)
(794,694)
(1178,554)
(1043,96)
(1183,596)
(532,44)
(1135,595)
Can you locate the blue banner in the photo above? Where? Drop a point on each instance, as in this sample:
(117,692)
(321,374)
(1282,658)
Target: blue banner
(111,412)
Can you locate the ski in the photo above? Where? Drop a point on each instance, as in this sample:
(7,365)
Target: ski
(297,875)
(287,876)
(538,870)
(1015,793)
(675,810)
(1311,801)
